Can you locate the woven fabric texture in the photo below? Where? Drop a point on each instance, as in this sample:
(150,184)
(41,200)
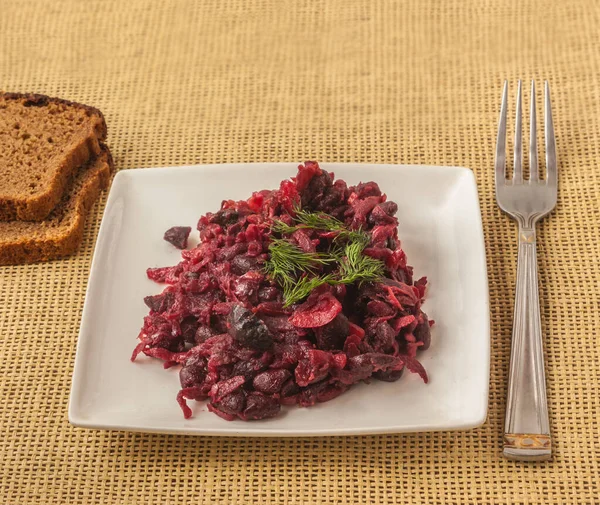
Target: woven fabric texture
(186,82)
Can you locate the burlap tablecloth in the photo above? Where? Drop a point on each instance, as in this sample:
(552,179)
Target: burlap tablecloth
(365,81)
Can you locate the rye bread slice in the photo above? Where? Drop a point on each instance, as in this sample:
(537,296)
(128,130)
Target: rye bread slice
(61,232)
(42,142)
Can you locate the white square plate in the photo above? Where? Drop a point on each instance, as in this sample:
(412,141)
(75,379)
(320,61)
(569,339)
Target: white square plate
(441,233)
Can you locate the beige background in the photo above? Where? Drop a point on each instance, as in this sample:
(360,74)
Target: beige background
(265,80)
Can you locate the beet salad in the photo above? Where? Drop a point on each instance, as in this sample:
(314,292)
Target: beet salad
(291,297)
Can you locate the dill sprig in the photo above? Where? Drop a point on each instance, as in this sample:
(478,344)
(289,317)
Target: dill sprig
(283,228)
(297,271)
(290,257)
(319,221)
(358,267)
(304,287)
(287,261)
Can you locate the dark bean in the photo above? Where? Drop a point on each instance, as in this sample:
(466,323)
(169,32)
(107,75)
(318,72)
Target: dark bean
(290,388)
(188,329)
(175,345)
(271,381)
(268,293)
(234,403)
(423,333)
(333,335)
(192,373)
(388,375)
(260,406)
(249,368)
(390,208)
(382,339)
(248,329)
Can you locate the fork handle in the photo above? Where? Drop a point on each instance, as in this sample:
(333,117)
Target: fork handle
(526,428)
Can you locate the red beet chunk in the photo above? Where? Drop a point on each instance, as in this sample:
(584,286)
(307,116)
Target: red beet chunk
(160,303)
(161,274)
(318,310)
(178,236)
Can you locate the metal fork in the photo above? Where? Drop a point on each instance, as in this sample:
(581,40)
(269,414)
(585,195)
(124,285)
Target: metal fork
(526,429)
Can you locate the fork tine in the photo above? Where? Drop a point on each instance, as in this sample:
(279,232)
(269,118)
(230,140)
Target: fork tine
(533,153)
(500,167)
(551,174)
(518,166)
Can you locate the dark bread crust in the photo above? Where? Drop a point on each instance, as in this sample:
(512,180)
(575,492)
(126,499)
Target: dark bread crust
(37,100)
(37,207)
(29,247)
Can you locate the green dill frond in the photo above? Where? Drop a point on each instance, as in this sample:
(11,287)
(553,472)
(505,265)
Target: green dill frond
(358,267)
(309,221)
(287,261)
(319,221)
(297,271)
(303,288)
(283,228)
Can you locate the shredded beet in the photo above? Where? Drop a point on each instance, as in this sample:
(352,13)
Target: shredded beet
(242,347)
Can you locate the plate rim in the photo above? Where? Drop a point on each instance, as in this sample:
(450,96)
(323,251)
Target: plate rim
(478,418)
